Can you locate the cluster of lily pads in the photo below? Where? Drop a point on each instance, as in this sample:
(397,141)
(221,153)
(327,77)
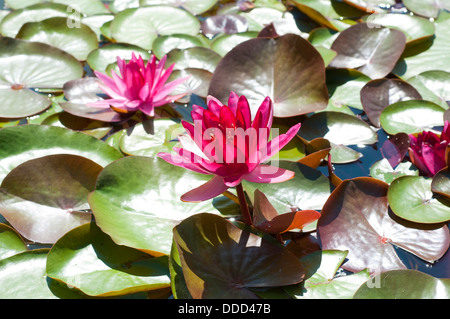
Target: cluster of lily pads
(88,209)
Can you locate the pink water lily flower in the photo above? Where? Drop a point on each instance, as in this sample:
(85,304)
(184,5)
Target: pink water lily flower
(427,150)
(226,143)
(141,86)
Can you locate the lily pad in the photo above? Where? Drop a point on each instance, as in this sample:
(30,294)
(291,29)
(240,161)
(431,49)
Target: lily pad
(411,198)
(288,69)
(79,41)
(149,140)
(373,51)
(426,8)
(412,116)
(224,43)
(383,170)
(194,6)
(356,218)
(441,182)
(433,86)
(45,197)
(197,57)
(376,95)
(11,242)
(88,260)
(100,58)
(309,189)
(25,64)
(12,23)
(23,276)
(224,23)
(19,144)
(165,43)
(219,260)
(406,284)
(137,202)
(430,55)
(321,281)
(149,22)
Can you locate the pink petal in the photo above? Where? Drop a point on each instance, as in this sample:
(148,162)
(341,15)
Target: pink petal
(244,108)
(210,189)
(182,161)
(269,174)
(277,143)
(233,102)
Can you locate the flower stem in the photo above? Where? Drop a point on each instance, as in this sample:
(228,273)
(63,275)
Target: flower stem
(243,203)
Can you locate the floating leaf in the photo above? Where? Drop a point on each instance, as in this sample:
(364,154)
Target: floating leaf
(100,58)
(166,43)
(11,24)
(197,57)
(45,197)
(411,198)
(23,276)
(412,116)
(193,6)
(441,182)
(219,260)
(356,218)
(431,54)
(87,259)
(427,8)
(309,189)
(224,23)
(19,144)
(378,94)
(11,242)
(433,86)
(373,51)
(79,41)
(405,284)
(224,43)
(321,281)
(384,171)
(288,69)
(137,201)
(149,22)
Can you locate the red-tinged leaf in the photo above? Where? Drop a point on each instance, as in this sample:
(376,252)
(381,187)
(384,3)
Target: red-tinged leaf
(289,221)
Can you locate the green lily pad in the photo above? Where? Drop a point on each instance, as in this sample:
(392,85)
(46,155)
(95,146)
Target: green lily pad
(309,189)
(85,7)
(149,22)
(12,23)
(406,284)
(45,197)
(165,43)
(320,281)
(23,276)
(197,82)
(411,198)
(26,64)
(412,116)
(30,102)
(224,43)
(328,13)
(143,140)
(196,57)
(11,243)
(372,51)
(137,201)
(376,95)
(19,144)
(342,85)
(356,218)
(100,58)
(219,260)
(194,6)
(340,129)
(383,170)
(433,86)
(430,54)
(79,41)
(288,69)
(88,260)
(427,8)
(415,28)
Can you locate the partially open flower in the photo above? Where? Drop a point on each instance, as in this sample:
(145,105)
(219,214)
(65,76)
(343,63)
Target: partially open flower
(427,150)
(141,86)
(225,142)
